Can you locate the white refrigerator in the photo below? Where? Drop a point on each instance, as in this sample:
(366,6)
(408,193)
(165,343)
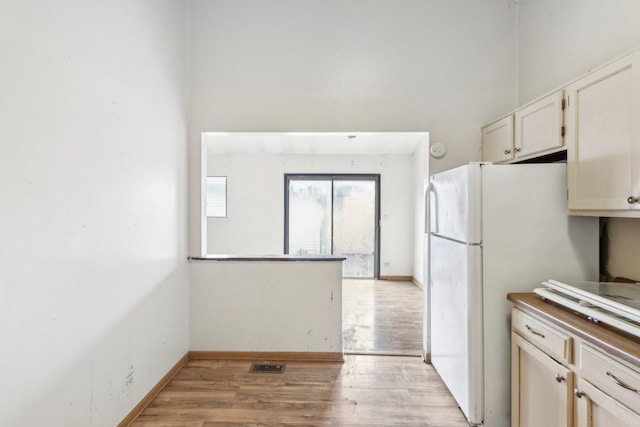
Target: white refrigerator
(491,230)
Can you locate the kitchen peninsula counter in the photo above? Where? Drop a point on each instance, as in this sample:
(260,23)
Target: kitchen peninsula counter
(281,257)
(276,306)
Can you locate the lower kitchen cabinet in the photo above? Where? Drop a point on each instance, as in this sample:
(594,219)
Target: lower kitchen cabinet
(567,371)
(596,409)
(541,387)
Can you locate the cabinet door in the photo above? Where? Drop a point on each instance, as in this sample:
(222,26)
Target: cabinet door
(602,137)
(596,409)
(540,387)
(497,141)
(538,127)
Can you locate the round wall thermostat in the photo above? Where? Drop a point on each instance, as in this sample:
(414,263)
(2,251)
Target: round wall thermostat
(438,150)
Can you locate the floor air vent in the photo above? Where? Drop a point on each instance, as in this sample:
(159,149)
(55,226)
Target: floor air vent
(274,368)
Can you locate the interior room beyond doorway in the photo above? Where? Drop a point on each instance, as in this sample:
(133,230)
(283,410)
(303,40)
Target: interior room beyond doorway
(381,317)
(254,165)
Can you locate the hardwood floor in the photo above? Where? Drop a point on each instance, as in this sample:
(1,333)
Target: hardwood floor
(381,317)
(373,388)
(365,390)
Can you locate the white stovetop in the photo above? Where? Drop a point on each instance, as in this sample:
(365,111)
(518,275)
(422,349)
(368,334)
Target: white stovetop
(616,304)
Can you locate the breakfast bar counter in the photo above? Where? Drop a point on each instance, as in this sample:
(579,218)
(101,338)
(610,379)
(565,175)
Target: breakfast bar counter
(272,304)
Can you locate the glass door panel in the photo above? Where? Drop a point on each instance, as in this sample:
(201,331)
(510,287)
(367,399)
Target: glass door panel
(309,217)
(334,214)
(354,226)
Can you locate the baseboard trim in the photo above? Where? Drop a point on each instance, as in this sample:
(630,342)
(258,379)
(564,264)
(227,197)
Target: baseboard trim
(403,279)
(137,410)
(266,355)
(396,278)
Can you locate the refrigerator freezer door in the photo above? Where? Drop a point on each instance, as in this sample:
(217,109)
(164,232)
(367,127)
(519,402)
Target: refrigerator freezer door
(455,204)
(456,322)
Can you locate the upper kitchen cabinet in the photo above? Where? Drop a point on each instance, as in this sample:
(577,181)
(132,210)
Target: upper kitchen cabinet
(497,141)
(603,140)
(532,131)
(539,127)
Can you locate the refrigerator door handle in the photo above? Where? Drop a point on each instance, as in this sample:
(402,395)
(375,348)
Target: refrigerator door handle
(427,208)
(427,290)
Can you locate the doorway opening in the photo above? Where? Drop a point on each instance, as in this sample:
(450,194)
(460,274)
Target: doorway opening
(377,315)
(335,214)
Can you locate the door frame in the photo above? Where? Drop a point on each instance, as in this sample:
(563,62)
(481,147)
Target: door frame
(336,177)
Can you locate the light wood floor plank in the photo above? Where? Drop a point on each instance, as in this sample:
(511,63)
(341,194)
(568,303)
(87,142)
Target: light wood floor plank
(381,317)
(365,390)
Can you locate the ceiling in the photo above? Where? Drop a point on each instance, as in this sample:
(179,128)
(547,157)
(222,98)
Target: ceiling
(375,143)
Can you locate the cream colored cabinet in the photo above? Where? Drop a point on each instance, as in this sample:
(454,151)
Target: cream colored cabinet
(558,378)
(596,409)
(497,141)
(602,120)
(539,127)
(532,131)
(606,391)
(541,387)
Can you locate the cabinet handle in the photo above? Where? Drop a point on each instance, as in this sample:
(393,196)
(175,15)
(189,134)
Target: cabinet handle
(578,393)
(621,384)
(631,200)
(559,378)
(507,151)
(533,331)
(517,150)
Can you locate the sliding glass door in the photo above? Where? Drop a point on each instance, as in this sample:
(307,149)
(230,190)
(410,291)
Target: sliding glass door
(334,214)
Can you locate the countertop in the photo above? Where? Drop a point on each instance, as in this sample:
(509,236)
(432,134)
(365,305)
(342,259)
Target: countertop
(276,257)
(623,345)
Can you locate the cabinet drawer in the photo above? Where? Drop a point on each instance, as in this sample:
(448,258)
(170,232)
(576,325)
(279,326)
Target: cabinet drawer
(610,376)
(546,337)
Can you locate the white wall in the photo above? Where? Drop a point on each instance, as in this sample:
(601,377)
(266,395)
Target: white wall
(349,65)
(624,247)
(255,210)
(93,274)
(420,182)
(559,41)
